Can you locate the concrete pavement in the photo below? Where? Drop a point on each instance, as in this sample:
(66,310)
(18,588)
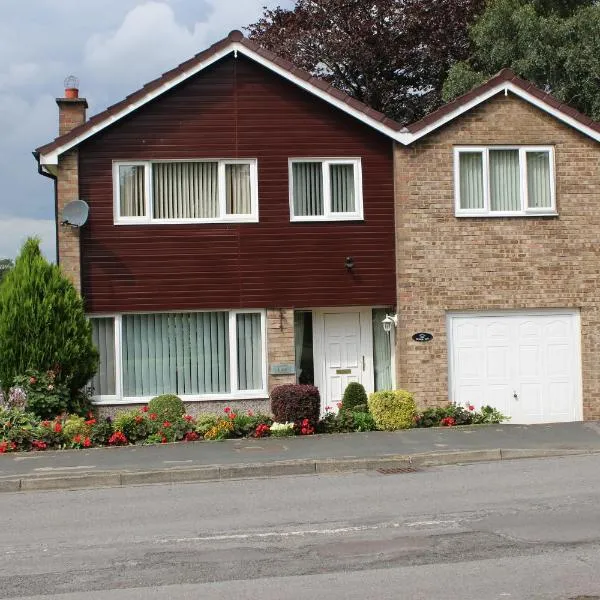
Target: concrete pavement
(269,457)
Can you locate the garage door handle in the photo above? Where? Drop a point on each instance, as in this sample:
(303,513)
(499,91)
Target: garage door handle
(515,396)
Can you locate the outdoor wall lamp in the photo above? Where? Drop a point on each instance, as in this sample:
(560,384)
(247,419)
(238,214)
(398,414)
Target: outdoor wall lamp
(349,263)
(389,321)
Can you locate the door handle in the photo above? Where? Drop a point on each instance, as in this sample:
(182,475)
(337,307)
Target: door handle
(515,395)
(363,362)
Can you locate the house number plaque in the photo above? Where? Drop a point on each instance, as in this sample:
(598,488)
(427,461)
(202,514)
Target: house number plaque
(422,337)
(283,369)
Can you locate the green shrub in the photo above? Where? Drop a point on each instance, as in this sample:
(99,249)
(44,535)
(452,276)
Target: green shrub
(294,403)
(43,326)
(134,424)
(363,421)
(101,431)
(392,410)
(354,396)
(46,396)
(204,422)
(75,425)
(168,407)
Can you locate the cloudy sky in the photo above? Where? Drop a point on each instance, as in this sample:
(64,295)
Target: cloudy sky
(113,47)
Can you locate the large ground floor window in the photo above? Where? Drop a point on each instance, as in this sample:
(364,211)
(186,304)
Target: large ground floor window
(195,354)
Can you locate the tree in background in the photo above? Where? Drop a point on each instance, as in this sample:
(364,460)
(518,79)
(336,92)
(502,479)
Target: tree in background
(393,55)
(555,44)
(6,264)
(43,324)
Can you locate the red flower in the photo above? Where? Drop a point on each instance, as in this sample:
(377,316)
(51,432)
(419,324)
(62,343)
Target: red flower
(139,418)
(57,427)
(447,422)
(39,445)
(77,439)
(232,416)
(3,447)
(471,407)
(227,409)
(117,439)
(144,408)
(166,424)
(87,442)
(191,436)
(90,422)
(188,418)
(163,440)
(45,423)
(153,416)
(261,430)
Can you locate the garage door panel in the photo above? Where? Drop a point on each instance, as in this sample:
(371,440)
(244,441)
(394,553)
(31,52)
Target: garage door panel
(533,354)
(530,362)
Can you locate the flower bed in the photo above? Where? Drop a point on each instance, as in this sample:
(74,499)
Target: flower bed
(23,431)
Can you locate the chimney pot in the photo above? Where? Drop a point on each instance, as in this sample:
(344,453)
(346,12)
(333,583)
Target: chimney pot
(71,93)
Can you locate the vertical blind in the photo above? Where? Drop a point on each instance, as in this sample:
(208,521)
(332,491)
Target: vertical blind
(504,180)
(471,180)
(238,189)
(382,351)
(132,191)
(342,188)
(103,336)
(307,183)
(183,353)
(538,180)
(185,190)
(249,351)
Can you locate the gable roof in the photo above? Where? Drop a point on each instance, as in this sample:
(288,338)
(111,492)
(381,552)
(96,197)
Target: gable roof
(505,81)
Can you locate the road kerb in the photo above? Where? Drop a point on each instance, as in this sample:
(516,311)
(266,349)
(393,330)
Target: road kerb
(272,469)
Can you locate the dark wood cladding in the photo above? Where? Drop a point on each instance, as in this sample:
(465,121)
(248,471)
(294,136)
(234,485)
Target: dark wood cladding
(238,109)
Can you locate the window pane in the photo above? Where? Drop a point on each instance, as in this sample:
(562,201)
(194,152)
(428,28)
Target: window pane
(131,191)
(103,335)
(538,179)
(342,188)
(471,180)
(249,350)
(185,190)
(504,180)
(307,183)
(238,190)
(182,353)
(382,351)
(303,341)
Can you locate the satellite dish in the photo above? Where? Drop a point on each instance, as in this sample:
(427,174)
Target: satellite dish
(75,213)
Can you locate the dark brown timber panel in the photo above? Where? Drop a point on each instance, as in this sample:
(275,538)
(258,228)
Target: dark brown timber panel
(238,109)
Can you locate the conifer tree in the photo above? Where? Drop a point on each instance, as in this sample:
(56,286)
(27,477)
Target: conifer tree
(43,324)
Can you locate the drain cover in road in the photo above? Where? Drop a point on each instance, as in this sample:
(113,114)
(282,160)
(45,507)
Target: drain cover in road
(397,470)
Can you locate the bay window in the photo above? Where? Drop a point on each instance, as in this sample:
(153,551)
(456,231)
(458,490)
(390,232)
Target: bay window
(195,355)
(504,181)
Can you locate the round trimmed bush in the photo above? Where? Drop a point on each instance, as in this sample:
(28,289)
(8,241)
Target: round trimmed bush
(392,410)
(354,396)
(295,402)
(168,407)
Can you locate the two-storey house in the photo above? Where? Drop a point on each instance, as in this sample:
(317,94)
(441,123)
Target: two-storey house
(250,225)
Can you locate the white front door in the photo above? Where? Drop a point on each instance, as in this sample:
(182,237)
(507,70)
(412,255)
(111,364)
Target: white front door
(527,365)
(344,348)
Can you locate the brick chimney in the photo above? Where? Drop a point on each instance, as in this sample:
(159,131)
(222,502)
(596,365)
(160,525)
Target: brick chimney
(71,114)
(71,108)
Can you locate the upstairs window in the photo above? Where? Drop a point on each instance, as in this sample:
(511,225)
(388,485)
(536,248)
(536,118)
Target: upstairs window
(504,181)
(186,191)
(325,190)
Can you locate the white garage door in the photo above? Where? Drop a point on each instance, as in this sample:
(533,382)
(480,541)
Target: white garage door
(527,365)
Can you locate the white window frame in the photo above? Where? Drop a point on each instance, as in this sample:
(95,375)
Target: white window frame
(149,219)
(328,215)
(525,210)
(234,394)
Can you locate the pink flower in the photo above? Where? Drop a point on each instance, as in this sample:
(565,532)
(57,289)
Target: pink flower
(227,410)
(471,407)
(327,408)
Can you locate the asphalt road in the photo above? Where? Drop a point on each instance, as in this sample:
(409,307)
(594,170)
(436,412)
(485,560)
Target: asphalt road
(515,529)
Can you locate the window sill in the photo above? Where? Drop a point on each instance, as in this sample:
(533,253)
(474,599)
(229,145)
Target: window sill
(495,215)
(326,219)
(162,222)
(115,400)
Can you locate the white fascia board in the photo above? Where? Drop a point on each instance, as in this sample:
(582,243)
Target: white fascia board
(506,87)
(51,158)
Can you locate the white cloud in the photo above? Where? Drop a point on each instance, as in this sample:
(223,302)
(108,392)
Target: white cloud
(14,231)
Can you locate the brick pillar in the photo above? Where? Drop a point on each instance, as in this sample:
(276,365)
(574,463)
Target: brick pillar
(71,114)
(280,343)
